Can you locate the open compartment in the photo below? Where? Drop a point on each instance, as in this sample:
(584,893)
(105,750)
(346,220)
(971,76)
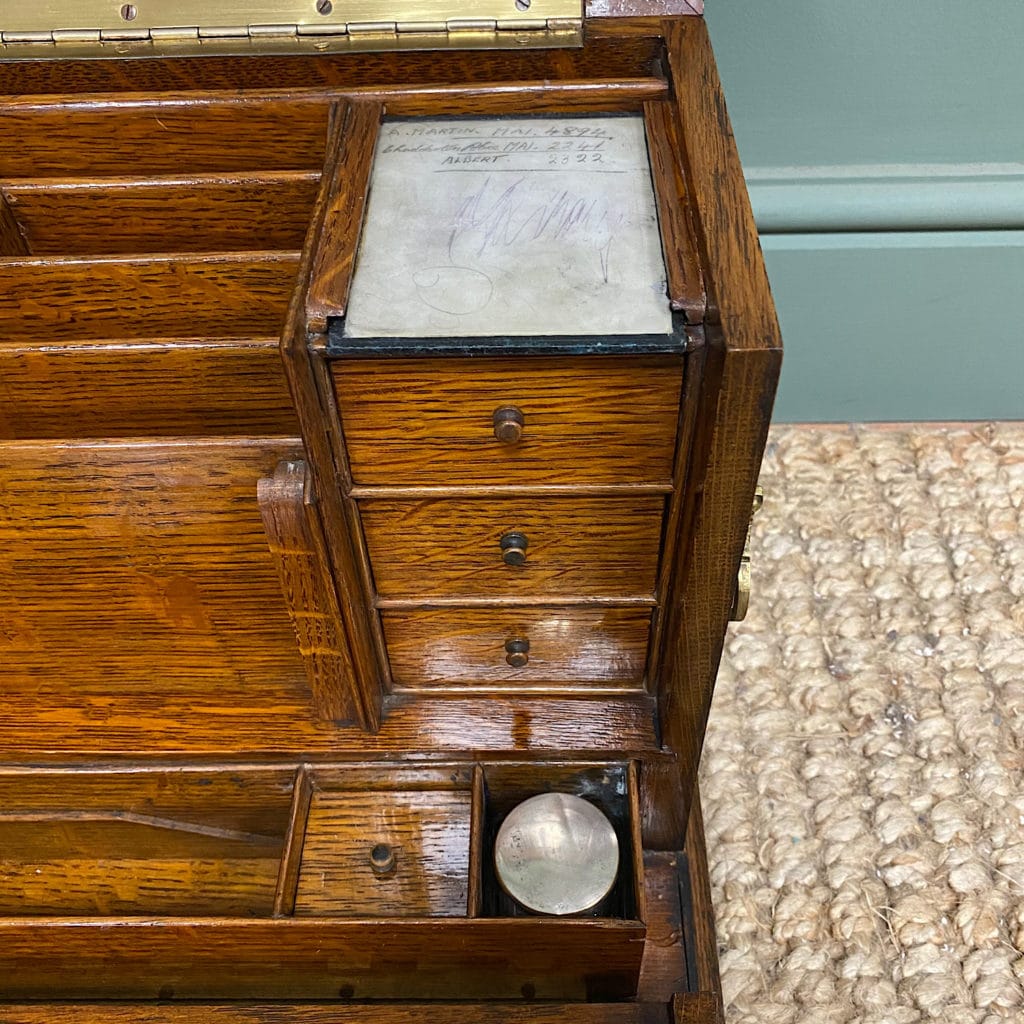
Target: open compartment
(612,788)
(173,842)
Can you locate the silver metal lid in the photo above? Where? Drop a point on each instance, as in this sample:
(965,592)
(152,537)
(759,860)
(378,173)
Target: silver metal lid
(556,854)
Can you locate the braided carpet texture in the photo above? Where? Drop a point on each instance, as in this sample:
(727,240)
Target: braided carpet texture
(863,776)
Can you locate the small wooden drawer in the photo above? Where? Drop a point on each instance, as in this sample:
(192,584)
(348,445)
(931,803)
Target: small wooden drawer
(396,853)
(588,420)
(515,547)
(568,648)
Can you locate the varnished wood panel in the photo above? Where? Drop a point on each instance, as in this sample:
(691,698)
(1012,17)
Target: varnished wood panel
(57,299)
(178,134)
(331,276)
(569,647)
(429,833)
(603,419)
(170,841)
(738,386)
(140,570)
(520,1012)
(295,536)
(527,78)
(450,548)
(190,213)
(321,959)
(174,387)
(12,237)
(682,262)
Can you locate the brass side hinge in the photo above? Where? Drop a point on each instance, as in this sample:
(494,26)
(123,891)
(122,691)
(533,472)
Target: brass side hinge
(98,28)
(741,602)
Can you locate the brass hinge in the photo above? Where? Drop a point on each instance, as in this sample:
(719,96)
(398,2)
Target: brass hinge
(741,600)
(97,28)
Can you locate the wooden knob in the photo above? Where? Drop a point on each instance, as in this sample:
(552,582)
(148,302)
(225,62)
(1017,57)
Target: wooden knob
(508,424)
(513,548)
(382,859)
(517,652)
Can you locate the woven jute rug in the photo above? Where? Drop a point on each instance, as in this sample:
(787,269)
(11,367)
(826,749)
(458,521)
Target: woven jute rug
(863,775)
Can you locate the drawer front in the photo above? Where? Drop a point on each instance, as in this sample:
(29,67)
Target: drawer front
(451,548)
(423,873)
(596,420)
(569,648)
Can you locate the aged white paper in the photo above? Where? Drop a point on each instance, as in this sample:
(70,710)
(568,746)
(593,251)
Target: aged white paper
(510,226)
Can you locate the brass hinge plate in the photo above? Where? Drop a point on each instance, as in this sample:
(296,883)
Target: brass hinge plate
(98,28)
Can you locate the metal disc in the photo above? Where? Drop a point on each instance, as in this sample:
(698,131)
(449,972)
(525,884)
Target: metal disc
(556,854)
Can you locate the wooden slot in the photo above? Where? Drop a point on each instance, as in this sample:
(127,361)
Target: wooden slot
(172,387)
(576,547)
(603,419)
(193,213)
(173,841)
(569,648)
(57,299)
(477,829)
(169,135)
(422,836)
(294,840)
(611,787)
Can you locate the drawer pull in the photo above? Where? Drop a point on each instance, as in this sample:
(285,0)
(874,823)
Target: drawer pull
(517,652)
(513,548)
(382,860)
(508,424)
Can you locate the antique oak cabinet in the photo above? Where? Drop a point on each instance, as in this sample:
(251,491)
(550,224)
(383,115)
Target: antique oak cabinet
(383,394)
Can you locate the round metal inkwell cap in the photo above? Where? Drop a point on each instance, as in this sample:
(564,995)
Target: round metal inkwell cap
(556,854)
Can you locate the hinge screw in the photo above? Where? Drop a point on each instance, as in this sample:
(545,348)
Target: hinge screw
(129,12)
(324,7)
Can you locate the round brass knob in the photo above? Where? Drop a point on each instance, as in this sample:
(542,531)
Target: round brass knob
(513,548)
(382,859)
(508,424)
(517,652)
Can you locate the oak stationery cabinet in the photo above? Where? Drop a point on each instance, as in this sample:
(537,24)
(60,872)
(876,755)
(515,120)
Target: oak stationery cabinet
(383,395)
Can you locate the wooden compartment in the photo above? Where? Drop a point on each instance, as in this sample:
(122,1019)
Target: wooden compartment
(142,843)
(605,420)
(450,548)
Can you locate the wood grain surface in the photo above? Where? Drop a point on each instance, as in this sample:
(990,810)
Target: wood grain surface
(140,570)
(54,299)
(527,79)
(12,238)
(570,648)
(169,386)
(682,261)
(295,537)
(151,842)
(320,958)
(331,276)
(606,419)
(183,134)
(738,386)
(450,548)
(429,834)
(188,213)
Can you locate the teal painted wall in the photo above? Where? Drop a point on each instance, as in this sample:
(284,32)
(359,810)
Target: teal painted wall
(884,149)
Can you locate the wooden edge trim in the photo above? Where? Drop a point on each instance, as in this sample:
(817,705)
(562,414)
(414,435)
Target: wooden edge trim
(296,544)
(12,237)
(334,257)
(336,541)
(738,294)
(295,838)
(679,242)
(477,818)
(636,838)
(697,1008)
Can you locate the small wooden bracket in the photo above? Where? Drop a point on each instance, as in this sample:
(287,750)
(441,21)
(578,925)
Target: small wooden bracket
(294,532)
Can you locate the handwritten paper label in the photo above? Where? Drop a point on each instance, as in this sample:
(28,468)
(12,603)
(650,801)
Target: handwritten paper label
(510,226)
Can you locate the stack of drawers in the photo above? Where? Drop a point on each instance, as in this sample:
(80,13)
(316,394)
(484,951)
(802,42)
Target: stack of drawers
(513,513)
